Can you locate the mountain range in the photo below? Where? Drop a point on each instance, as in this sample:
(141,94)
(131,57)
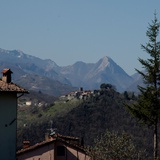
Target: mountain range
(46,76)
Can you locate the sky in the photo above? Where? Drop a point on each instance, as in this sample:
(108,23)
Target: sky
(67,31)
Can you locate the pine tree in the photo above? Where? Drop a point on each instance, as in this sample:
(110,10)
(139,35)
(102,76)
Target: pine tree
(147,108)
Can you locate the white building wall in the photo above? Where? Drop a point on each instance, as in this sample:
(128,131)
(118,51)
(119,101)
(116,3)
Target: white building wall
(8,124)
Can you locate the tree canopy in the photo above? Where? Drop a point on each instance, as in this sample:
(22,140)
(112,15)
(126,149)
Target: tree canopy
(114,146)
(147,108)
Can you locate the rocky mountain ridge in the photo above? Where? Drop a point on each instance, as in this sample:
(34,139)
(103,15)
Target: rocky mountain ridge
(80,74)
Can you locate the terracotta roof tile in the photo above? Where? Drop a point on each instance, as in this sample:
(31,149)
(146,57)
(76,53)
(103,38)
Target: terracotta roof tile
(51,141)
(11,87)
(34,146)
(6,70)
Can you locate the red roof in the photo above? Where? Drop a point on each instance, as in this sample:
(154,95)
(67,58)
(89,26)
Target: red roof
(11,87)
(6,70)
(57,137)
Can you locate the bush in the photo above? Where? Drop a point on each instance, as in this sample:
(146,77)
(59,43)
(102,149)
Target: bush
(114,146)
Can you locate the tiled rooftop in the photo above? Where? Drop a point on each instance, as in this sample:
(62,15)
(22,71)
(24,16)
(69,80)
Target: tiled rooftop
(11,87)
(56,137)
(6,85)
(6,70)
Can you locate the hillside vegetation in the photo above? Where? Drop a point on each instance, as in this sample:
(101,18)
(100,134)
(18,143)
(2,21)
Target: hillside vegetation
(86,119)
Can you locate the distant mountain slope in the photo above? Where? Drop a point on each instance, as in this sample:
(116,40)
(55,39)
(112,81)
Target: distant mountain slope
(138,81)
(106,70)
(44,85)
(34,74)
(80,74)
(92,75)
(31,64)
(76,73)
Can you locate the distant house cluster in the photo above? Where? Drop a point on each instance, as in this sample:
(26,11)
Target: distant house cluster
(80,94)
(28,103)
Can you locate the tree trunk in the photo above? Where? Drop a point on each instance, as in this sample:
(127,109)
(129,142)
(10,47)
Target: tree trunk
(155,142)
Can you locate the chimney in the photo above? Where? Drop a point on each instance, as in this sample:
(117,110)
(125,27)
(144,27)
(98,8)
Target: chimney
(7,75)
(82,142)
(26,144)
(47,137)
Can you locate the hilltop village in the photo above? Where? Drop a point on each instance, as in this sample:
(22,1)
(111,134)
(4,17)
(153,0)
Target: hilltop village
(78,94)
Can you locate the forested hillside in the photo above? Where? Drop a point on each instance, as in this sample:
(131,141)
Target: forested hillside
(85,119)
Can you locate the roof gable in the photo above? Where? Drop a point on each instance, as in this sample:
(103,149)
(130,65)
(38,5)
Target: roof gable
(55,138)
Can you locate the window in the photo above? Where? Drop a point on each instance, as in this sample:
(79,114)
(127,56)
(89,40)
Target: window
(60,151)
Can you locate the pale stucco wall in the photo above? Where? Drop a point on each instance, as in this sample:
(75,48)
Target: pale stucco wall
(8,124)
(76,154)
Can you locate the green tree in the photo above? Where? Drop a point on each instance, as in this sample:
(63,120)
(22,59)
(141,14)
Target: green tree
(126,96)
(113,146)
(106,86)
(147,108)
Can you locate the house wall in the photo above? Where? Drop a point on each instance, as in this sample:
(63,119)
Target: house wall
(8,124)
(77,154)
(71,154)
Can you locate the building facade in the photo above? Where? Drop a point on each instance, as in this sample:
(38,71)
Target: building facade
(8,115)
(57,147)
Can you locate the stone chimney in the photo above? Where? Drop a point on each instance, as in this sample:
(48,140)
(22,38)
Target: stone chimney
(47,137)
(50,137)
(7,75)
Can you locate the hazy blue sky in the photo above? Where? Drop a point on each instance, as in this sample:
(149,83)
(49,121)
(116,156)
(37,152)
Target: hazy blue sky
(67,31)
